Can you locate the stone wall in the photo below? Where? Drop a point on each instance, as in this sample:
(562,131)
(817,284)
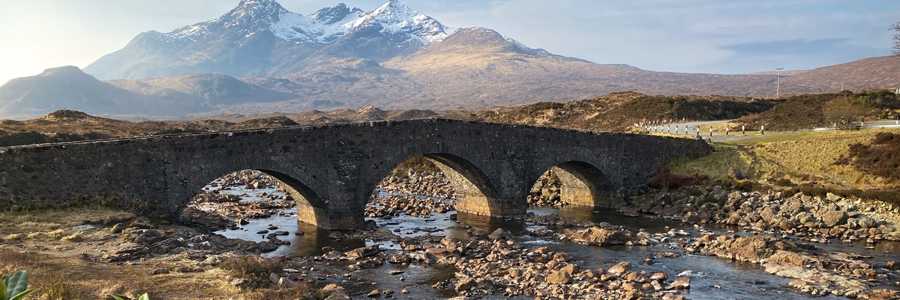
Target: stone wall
(332,169)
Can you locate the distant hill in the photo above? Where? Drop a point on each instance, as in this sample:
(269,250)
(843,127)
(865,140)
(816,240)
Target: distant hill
(69,88)
(214,89)
(865,74)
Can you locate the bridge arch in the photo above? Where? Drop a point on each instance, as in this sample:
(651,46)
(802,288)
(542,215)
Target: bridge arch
(474,191)
(581,184)
(311,208)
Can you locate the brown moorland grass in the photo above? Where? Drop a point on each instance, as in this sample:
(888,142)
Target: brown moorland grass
(824,110)
(60,269)
(879,157)
(806,161)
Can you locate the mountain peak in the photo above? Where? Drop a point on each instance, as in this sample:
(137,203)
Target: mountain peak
(395,16)
(259,5)
(394,6)
(252,15)
(334,14)
(64,70)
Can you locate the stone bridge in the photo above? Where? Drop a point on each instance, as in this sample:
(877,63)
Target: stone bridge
(332,170)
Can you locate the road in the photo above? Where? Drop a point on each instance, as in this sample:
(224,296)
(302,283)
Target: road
(691,129)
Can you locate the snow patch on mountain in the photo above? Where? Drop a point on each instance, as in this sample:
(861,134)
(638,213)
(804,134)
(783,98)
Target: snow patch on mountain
(322,27)
(396,17)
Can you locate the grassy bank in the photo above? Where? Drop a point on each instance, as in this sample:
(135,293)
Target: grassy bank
(814,161)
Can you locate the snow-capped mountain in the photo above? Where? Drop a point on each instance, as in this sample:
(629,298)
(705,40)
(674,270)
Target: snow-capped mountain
(395,17)
(261,37)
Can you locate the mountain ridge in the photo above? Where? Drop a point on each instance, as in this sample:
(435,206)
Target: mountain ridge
(260,57)
(262,38)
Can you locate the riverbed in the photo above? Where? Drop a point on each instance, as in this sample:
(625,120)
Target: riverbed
(711,277)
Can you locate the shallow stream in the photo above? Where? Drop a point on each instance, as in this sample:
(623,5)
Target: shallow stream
(711,278)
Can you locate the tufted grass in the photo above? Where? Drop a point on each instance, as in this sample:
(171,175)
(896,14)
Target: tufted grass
(797,160)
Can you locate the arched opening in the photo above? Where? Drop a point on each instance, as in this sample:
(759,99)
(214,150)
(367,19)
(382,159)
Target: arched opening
(473,193)
(270,208)
(570,184)
(573,191)
(428,193)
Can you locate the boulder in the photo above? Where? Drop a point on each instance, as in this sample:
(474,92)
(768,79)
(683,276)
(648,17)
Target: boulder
(598,236)
(833,218)
(681,282)
(619,268)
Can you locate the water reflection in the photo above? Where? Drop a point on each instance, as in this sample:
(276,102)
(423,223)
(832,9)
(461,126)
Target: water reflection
(308,242)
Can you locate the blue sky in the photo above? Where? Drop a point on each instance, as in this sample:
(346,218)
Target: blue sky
(736,36)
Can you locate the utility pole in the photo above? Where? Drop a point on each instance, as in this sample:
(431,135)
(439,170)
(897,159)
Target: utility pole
(778,80)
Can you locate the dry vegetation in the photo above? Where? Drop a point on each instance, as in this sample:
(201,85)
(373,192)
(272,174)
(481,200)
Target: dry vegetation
(880,157)
(810,160)
(824,110)
(619,111)
(53,263)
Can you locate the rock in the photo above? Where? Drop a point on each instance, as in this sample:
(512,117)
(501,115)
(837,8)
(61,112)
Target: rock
(792,206)
(748,249)
(127,252)
(267,246)
(117,228)
(681,282)
(630,290)
(56,234)
(144,236)
(14,237)
(374,293)
(661,276)
(499,234)
(833,218)
(669,296)
(159,271)
(598,236)
(619,268)
(787,258)
(559,277)
(880,294)
(768,215)
(334,292)
(464,284)
(362,252)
